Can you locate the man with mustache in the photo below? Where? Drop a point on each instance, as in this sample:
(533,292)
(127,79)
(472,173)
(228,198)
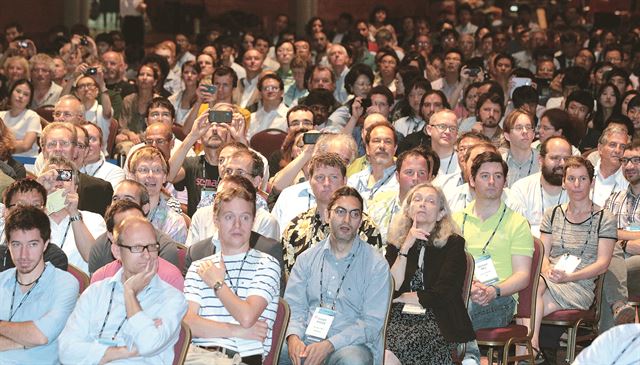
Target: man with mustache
(543,190)
(489,113)
(381,145)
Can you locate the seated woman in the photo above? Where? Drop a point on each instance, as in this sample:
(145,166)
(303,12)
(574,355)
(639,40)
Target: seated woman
(577,233)
(23,122)
(428,265)
(149,167)
(8,165)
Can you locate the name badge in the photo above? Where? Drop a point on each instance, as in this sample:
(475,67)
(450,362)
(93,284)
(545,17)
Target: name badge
(634,227)
(568,263)
(108,342)
(206,197)
(320,324)
(485,270)
(415,309)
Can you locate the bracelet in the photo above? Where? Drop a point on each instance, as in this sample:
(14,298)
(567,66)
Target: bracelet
(75,218)
(402,254)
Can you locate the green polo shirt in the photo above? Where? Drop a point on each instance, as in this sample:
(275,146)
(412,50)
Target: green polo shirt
(513,236)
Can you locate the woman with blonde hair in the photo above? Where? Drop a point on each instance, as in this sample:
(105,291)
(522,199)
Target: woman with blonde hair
(428,264)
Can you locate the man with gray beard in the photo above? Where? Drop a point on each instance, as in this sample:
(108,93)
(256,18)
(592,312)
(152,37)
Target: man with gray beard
(543,190)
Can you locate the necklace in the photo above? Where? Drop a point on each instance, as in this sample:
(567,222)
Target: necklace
(31,283)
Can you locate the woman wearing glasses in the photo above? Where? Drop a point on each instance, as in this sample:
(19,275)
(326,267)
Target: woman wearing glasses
(428,264)
(22,121)
(149,167)
(578,240)
(521,158)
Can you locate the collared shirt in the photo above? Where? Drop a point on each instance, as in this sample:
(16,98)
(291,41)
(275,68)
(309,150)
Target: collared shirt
(292,201)
(517,170)
(253,273)
(250,86)
(101,311)
(262,120)
(50,98)
(202,226)
(173,83)
(361,304)
(602,188)
(624,205)
(62,235)
(48,305)
(168,272)
(528,193)
(307,229)
(340,92)
(381,209)
(168,221)
(292,95)
(408,125)
(448,183)
(364,182)
(104,170)
(187,56)
(512,236)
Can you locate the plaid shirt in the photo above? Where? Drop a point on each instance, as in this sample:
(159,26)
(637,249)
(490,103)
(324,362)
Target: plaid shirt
(624,205)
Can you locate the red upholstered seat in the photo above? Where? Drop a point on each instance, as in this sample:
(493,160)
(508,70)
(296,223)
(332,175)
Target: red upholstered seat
(570,315)
(502,334)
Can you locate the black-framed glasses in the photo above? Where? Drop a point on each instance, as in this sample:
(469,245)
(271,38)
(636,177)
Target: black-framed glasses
(152,247)
(634,160)
(342,212)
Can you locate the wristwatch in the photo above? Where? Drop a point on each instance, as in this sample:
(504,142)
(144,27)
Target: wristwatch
(497,288)
(217,285)
(75,218)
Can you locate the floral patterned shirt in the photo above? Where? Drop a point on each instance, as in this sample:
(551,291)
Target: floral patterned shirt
(307,229)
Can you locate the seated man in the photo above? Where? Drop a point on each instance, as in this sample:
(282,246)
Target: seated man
(232,295)
(72,229)
(501,243)
(326,175)
(26,192)
(132,191)
(116,213)
(35,298)
(133,315)
(354,335)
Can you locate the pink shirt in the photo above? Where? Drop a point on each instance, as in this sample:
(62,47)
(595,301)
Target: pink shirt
(166,271)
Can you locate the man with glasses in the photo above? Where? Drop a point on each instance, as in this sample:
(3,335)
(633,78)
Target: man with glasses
(36,298)
(442,127)
(272,112)
(68,109)
(356,317)
(72,229)
(26,192)
(134,315)
(137,194)
(520,156)
(326,175)
(232,295)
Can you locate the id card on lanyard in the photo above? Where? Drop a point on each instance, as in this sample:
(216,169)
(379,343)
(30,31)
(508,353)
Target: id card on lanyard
(320,324)
(485,269)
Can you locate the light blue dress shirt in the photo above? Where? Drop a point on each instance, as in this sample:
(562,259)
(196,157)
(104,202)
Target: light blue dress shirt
(154,340)
(48,305)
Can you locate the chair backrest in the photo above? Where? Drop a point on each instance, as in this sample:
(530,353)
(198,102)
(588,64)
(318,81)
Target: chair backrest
(392,288)
(83,279)
(268,141)
(46,113)
(527,297)
(111,138)
(182,254)
(468,280)
(178,132)
(182,345)
(278,333)
(597,303)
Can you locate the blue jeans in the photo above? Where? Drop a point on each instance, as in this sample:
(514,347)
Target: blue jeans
(498,313)
(348,355)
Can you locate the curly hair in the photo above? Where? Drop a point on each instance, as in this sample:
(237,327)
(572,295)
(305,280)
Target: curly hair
(7,141)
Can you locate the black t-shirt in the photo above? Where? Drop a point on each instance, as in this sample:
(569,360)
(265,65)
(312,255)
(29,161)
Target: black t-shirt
(198,174)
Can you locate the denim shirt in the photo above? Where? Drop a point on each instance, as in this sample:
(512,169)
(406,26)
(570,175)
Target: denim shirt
(360,305)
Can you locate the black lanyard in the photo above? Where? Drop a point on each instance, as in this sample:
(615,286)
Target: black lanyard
(66,231)
(542,197)
(519,167)
(333,305)
(484,249)
(235,291)
(564,225)
(13,295)
(96,170)
(449,163)
(106,317)
(624,349)
(374,191)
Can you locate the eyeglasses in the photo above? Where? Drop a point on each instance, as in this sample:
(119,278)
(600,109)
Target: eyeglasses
(353,214)
(634,160)
(152,247)
(54,144)
(297,123)
(146,170)
(232,172)
(65,115)
(86,86)
(443,128)
(157,141)
(523,128)
(81,146)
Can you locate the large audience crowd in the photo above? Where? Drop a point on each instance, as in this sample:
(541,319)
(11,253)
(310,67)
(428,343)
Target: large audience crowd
(351,174)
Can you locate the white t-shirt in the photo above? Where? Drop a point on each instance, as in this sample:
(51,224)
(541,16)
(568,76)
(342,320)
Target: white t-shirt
(25,122)
(62,235)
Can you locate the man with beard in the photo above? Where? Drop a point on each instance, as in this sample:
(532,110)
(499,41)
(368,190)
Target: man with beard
(200,174)
(36,298)
(543,190)
(489,110)
(381,143)
(358,315)
(114,69)
(45,91)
